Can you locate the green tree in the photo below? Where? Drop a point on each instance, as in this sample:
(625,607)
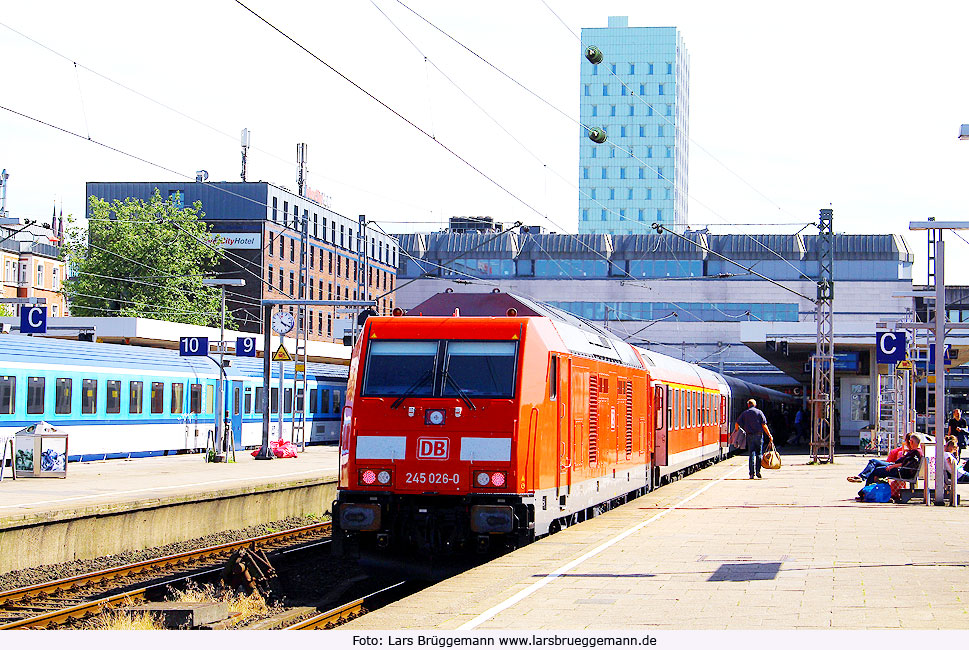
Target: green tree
(145,259)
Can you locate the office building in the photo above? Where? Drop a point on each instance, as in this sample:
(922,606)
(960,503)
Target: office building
(639,94)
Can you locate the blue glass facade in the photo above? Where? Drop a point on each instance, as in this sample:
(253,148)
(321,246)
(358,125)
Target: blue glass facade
(640,95)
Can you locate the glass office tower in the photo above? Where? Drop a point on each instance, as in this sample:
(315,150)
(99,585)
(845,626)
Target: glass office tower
(639,94)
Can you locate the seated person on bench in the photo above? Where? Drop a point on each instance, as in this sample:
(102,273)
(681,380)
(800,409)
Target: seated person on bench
(906,467)
(874,463)
(951,447)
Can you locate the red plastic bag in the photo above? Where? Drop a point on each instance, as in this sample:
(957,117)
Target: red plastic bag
(279,449)
(282,449)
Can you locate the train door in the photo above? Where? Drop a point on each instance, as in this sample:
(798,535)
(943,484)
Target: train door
(562,382)
(235,412)
(661,424)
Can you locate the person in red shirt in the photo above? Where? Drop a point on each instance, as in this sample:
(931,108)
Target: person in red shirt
(875,463)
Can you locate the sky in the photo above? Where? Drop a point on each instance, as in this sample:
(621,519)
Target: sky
(794,107)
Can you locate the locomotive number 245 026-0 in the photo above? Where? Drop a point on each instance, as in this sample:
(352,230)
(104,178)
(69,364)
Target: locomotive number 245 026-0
(432,478)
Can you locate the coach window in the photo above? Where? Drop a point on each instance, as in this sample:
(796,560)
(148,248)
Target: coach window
(337,402)
(35,395)
(314,400)
(8,391)
(195,398)
(326,401)
(62,395)
(300,400)
(236,400)
(288,400)
(112,394)
(681,412)
(259,393)
(248,399)
(274,400)
(136,391)
(209,399)
(178,394)
(669,407)
(157,397)
(89,396)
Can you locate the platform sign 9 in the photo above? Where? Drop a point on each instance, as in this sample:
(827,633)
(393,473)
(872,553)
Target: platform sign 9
(245,346)
(193,346)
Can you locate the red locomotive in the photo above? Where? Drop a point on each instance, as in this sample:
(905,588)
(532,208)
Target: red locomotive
(474,432)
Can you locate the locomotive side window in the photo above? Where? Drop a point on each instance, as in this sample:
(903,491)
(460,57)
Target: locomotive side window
(157,397)
(89,396)
(398,367)
(136,393)
(8,391)
(62,395)
(480,369)
(112,394)
(553,378)
(35,395)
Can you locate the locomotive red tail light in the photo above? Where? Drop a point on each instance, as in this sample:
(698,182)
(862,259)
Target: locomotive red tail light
(368,477)
(375,476)
(491,479)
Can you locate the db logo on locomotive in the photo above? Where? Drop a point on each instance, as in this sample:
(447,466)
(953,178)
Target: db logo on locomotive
(436,448)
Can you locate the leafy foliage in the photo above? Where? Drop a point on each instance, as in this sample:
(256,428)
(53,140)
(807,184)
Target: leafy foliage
(145,259)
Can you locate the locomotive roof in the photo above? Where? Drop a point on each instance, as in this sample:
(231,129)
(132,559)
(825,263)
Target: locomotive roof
(39,352)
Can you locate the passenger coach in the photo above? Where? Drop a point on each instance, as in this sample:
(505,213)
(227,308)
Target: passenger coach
(118,401)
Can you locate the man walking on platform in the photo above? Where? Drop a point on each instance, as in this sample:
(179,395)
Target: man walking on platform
(754,423)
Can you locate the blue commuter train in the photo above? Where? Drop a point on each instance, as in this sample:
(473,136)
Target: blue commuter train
(120,401)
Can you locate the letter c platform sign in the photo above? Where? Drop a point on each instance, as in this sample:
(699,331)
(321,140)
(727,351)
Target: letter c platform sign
(33,320)
(889,347)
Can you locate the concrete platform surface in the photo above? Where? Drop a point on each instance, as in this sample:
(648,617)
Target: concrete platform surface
(717,550)
(119,484)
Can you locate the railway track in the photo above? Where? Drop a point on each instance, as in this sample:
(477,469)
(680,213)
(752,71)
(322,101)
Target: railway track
(339,615)
(61,602)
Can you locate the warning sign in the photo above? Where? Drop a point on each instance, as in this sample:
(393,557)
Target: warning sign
(282,354)
(904,365)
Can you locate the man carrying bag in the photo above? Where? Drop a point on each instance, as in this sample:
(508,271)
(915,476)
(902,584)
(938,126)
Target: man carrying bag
(754,423)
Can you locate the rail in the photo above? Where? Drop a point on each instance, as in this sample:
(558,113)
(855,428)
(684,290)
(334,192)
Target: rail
(339,615)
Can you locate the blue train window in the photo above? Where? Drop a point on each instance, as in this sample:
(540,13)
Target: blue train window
(62,395)
(178,395)
(136,393)
(8,391)
(326,400)
(89,396)
(210,399)
(112,393)
(35,395)
(314,400)
(248,399)
(274,400)
(236,400)
(259,394)
(288,400)
(157,397)
(300,400)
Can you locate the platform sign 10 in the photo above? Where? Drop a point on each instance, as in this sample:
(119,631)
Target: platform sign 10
(193,346)
(245,346)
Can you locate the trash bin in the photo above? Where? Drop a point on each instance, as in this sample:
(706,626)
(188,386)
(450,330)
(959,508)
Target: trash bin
(40,452)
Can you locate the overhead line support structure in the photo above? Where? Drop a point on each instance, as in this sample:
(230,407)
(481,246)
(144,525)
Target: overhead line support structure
(822,363)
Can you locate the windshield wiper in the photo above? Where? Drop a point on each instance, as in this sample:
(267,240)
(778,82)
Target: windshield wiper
(410,391)
(463,394)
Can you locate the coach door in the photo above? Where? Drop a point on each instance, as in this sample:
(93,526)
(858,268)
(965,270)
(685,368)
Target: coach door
(660,424)
(561,379)
(235,412)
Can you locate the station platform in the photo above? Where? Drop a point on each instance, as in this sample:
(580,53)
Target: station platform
(112,506)
(716,551)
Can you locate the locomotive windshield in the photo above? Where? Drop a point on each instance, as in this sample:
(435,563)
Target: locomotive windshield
(398,367)
(480,368)
(464,369)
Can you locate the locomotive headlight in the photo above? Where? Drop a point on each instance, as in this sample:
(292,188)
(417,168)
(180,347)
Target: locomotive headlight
(434,416)
(383,477)
(483,478)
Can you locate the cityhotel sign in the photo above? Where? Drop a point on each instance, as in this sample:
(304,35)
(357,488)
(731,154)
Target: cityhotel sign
(236,240)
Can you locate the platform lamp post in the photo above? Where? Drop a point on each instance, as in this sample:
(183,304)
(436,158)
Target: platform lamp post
(220,445)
